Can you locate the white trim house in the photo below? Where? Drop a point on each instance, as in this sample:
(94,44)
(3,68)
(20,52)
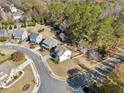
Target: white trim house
(20,35)
(61,53)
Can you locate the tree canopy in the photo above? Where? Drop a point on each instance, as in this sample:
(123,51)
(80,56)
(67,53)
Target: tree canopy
(85,22)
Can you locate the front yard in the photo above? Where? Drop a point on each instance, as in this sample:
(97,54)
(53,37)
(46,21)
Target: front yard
(5,55)
(62,69)
(18,87)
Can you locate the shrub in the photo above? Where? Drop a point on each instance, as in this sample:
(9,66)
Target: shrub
(3,39)
(15,26)
(33,45)
(18,56)
(10,27)
(41,30)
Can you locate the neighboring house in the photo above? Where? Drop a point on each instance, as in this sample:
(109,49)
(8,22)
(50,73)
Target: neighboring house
(13,8)
(60,53)
(20,35)
(64,38)
(49,43)
(3,33)
(35,37)
(6,71)
(16,13)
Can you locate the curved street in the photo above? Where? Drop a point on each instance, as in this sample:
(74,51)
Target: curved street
(48,84)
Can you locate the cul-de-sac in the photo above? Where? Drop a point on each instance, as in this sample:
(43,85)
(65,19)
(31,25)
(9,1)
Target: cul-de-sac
(61,46)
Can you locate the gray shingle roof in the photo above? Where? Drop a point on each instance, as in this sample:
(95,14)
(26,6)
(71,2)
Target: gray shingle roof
(3,32)
(18,34)
(60,50)
(18,13)
(33,36)
(51,42)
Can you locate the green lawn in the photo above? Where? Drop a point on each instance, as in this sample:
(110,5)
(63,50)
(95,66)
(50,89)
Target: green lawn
(6,55)
(61,69)
(4,58)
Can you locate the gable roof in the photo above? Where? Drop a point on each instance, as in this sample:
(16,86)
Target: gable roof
(33,36)
(18,33)
(18,13)
(51,42)
(3,32)
(60,50)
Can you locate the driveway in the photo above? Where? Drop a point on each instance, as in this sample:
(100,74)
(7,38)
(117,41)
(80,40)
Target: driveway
(48,84)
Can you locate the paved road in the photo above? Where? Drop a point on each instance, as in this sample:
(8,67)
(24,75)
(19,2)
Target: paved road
(48,84)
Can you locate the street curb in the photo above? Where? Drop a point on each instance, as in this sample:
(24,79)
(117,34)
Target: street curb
(51,73)
(36,88)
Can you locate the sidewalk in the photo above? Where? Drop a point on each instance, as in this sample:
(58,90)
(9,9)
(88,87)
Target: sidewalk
(36,75)
(28,62)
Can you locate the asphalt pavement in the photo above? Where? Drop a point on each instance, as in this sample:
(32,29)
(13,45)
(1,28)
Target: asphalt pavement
(48,84)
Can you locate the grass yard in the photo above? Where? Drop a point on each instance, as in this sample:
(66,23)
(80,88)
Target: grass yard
(28,78)
(44,52)
(5,55)
(61,69)
(7,51)
(19,62)
(3,59)
(47,32)
(32,28)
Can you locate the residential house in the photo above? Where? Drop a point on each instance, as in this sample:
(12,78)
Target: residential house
(13,8)
(35,37)
(60,53)
(16,13)
(6,71)
(20,35)
(3,33)
(49,42)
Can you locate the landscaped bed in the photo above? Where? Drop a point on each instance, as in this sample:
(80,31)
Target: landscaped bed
(62,69)
(24,85)
(44,52)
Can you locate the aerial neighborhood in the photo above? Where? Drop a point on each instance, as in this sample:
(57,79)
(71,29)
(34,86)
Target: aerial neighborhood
(61,46)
